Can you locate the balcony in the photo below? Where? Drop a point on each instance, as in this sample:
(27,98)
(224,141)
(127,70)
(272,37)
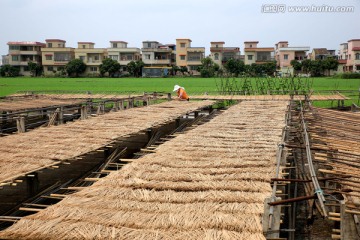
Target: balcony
(157,62)
(342,61)
(94,62)
(164,50)
(225,49)
(261,61)
(196,49)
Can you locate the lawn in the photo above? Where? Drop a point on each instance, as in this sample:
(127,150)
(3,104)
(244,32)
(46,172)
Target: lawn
(139,85)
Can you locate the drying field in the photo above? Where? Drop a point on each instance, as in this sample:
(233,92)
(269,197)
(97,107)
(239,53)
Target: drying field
(27,152)
(270,97)
(33,103)
(208,183)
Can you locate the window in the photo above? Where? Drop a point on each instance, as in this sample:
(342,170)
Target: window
(358,68)
(114,57)
(48,57)
(49,45)
(114,45)
(216,56)
(216,46)
(93,69)
(84,46)
(14,47)
(182,45)
(26,69)
(62,57)
(286,56)
(182,57)
(149,45)
(250,57)
(50,68)
(357,56)
(349,56)
(147,56)
(251,45)
(82,58)
(96,57)
(15,58)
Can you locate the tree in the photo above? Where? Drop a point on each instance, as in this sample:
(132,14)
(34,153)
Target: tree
(306,65)
(269,68)
(109,66)
(75,67)
(235,66)
(316,67)
(135,68)
(330,64)
(9,71)
(296,65)
(183,70)
(35,69)
(208,68)
(174,70)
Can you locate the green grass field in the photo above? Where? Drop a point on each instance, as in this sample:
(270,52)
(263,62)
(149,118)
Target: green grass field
(139,85)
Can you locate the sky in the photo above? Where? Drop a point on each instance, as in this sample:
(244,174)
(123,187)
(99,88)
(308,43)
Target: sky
(202,21)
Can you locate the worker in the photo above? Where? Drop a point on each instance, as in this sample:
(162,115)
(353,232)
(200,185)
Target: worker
(180,91)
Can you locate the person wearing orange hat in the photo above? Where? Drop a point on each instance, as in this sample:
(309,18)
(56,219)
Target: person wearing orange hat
(180,91)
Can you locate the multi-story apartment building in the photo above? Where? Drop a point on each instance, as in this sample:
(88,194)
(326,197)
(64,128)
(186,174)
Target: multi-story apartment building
(157,58)
(20,53)
(342,57)
(284,54)
(254,54)
(91,56)
(120,52)
(188,56)
(353,60)
(349,56)
(55,56)
(220,54)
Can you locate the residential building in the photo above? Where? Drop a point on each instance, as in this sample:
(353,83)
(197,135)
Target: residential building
(55,56)
(319,54)
(120,52)
(284,54)
(353,60)
(220,54)
(187,56)
(342,57)
(5,59)
(158,58)
(20,53)
(258,55)
(91,56)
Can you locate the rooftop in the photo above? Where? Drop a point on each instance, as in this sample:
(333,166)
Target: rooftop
(55,40)
(26,43)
